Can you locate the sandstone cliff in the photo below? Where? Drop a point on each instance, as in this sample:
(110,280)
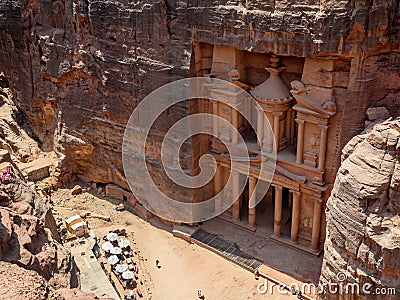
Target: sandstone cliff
(79,67)
(363,214)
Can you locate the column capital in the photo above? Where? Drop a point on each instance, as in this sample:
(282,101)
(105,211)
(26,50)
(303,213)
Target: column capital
(288,108)
(277,113)
(300,121)
(277,186)
(317,200)
(323,126)
(252,179)
(234,172)
(297,193)
(259,108)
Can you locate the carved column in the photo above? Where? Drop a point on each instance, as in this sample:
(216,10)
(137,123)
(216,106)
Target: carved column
(215,119)
(236,191)
(276,129)
(278,210)
(294,232)
(288,125)
(252,201)
(260,125)
(322,146)
(235,123)
(217,189)
(300,141)
(267,145)
(293,126)
(316,226)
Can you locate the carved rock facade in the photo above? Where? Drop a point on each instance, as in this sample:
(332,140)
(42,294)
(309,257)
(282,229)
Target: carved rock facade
(78,68)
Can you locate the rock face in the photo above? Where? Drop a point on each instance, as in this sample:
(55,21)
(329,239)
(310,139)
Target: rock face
(19,283)
(78,68)
(26,234)
(363,214)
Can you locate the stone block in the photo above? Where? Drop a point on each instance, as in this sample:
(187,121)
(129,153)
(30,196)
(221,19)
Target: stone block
(377,113)
(37,169)
(341,79)
(320,95)
(119,193)
(224,59)
(142,212)
(318,71)
(76,190)
(310,159)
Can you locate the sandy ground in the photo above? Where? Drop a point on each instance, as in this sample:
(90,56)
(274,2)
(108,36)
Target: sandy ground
(299,264)
(185,268)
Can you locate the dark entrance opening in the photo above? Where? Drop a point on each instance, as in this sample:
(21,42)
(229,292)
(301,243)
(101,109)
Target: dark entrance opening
(287,202)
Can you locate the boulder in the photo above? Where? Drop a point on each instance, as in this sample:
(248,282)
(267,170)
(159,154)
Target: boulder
(76,190)
(377,113)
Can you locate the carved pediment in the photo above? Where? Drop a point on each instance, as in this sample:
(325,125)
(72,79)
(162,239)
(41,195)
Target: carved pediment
(305,102)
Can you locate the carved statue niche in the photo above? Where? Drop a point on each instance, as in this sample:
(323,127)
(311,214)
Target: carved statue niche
(313,119)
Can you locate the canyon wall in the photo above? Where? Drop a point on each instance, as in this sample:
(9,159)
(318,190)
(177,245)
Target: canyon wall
(363,237)
(78,68)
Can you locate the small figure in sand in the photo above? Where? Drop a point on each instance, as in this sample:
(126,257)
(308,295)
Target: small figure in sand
(296,293)
(256,274)
(200,295)
(158,263)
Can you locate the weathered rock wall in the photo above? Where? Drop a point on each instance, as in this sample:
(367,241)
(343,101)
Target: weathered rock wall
(85,65)
(33,265)
(26,239)
(363,235)
(78,68)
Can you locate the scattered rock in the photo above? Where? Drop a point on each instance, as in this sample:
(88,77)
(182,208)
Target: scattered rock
(76,190)
(20,283)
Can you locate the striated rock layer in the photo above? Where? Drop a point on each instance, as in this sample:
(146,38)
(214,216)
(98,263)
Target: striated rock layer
(78,68)
(363,215)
